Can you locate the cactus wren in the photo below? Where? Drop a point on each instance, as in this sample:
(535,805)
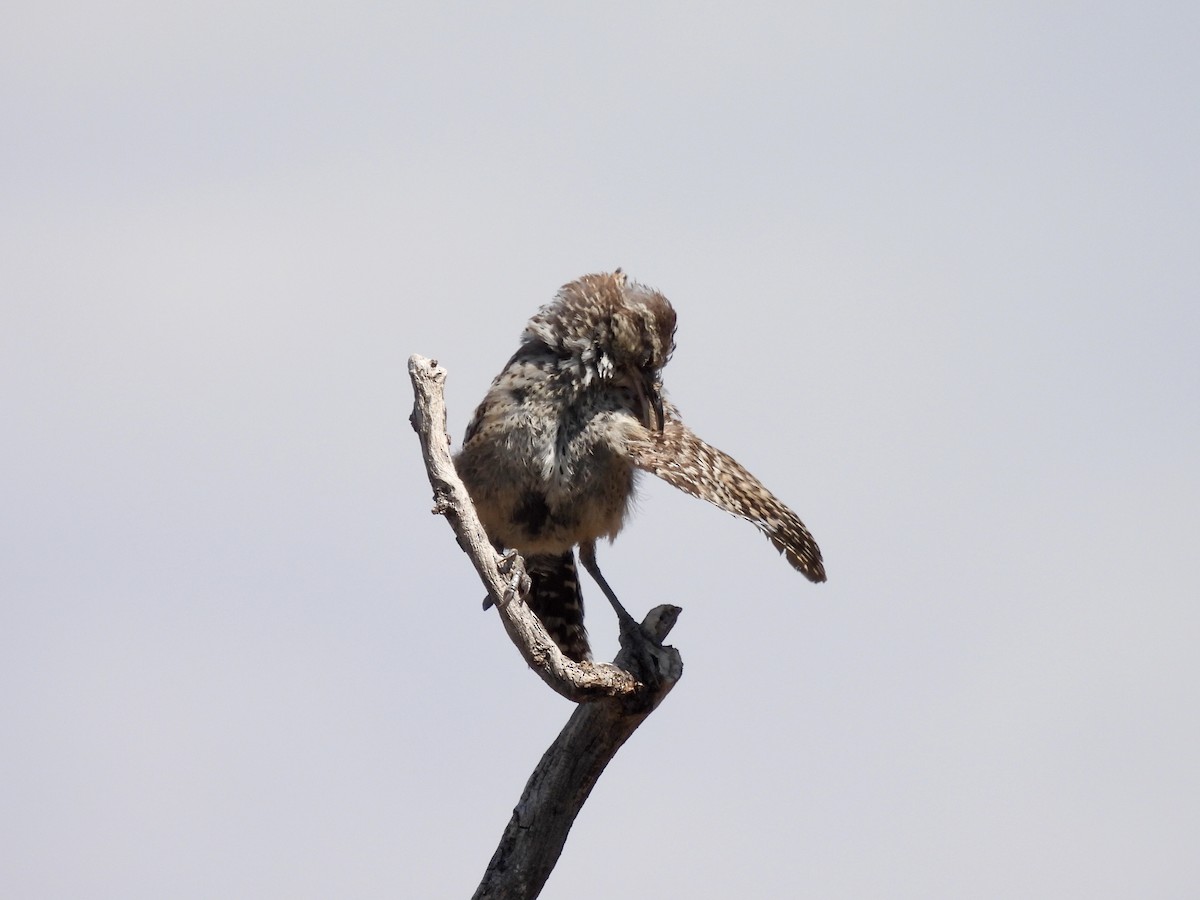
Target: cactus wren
(551,454)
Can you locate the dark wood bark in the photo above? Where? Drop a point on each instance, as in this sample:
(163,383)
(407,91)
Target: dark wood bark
(562,781)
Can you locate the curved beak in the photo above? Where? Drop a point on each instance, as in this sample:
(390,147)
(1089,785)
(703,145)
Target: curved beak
(652,396)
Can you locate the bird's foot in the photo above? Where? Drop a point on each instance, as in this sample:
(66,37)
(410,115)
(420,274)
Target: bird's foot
(505,563)
(644,651)
(518,584)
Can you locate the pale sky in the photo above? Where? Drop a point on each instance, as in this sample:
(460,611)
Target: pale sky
(936,271)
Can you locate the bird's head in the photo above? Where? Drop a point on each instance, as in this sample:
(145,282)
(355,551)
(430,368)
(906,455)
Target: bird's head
(609,329)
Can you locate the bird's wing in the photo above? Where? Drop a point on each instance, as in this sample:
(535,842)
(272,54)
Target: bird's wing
(681,458)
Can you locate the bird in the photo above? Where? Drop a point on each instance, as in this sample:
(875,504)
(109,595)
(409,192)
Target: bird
(552,454)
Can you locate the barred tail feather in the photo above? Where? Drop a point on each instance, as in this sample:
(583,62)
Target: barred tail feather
(555,598)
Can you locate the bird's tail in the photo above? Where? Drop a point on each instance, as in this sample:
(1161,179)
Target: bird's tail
(555,598)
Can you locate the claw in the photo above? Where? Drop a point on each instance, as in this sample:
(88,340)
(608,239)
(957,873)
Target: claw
(506,560)
(518,585)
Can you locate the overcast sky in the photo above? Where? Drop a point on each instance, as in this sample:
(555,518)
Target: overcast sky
(937,275)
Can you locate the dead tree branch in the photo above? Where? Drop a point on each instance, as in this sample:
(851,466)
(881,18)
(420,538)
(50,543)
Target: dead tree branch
(561,783)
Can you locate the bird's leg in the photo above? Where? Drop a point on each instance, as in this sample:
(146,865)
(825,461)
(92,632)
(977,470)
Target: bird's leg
(587,556)
(631,630)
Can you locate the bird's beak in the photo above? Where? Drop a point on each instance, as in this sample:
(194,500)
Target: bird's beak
(653,396)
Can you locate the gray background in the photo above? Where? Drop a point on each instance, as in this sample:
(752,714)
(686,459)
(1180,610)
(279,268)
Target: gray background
(936,274)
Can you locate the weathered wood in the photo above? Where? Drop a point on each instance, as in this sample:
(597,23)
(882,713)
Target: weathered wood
(562,781)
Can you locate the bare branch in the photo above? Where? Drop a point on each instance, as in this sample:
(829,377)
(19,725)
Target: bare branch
(562,781)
